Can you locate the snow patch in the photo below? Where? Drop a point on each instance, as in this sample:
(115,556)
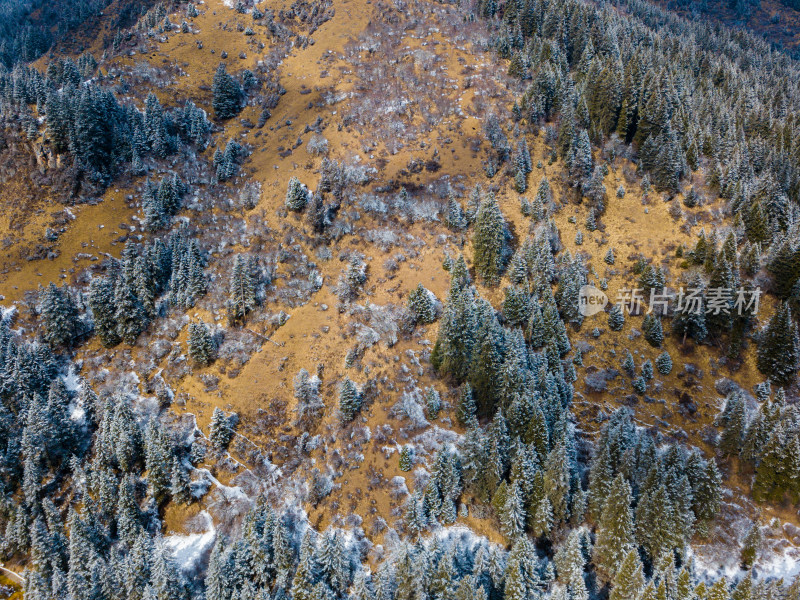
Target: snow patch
(188,549)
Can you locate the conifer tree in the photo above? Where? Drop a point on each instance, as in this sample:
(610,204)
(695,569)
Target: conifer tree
(664,363)
(59,316)
(296,195)
(517,305)
(455,217)
(512,515)
(629,581)
(179,483)
(349,400)
(691,322)
(220,430)
(489,241)
(227,94)
(653,331)
(784,266)
(614,530)
(101,303)
(616,320)
(779,347)
(627,363)
(129,315)
(569,560)
(542,519)
(421,305)
(200,343)
(242,294)
(751,545)
(734,422)
(406,458)
(609,258)
(647,370)
(433,403)
(466,409)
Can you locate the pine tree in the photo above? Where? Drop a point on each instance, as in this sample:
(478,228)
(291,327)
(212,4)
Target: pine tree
(484,369)
(580,159)
(296,195)
(421,305)
(59,316)
(101,303)
(734,422)
(779,347)
(653,332)
(220,430)
(542,519)
(200,344)
(569,560)
(433,403)
(629,580)
(751,545)
(455,217)
(349,400)
(627,363)
(242,294)
(517,305)
(542,200)
(466,409)
(614,530)
(755,223)
(691,322)
(129,315)
(616,320)
(609,258)
(664,363)
(406,458)
(512,515)
(647,370)
(591,221)
(179,488)
(227,94)
(489,241)
(128,513)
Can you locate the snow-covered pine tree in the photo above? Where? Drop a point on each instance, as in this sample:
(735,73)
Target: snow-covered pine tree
(616,320)
(779,347)
(421,305)
(349,400)
(406,458)
(664,363)
(220,430)
(614,530)
(296,195)
(242,292)
(227,94)
(489,241)
(59,316)
(200,343)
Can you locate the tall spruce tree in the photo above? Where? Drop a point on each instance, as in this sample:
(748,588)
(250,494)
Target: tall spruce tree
(242,292)
(227,94)
(614,530)
(349,400)
(59,316)
(489,245)
(779,347)
(200,344)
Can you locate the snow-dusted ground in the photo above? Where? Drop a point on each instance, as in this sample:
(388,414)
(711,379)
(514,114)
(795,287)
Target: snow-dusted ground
(778,556)
(188,549)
